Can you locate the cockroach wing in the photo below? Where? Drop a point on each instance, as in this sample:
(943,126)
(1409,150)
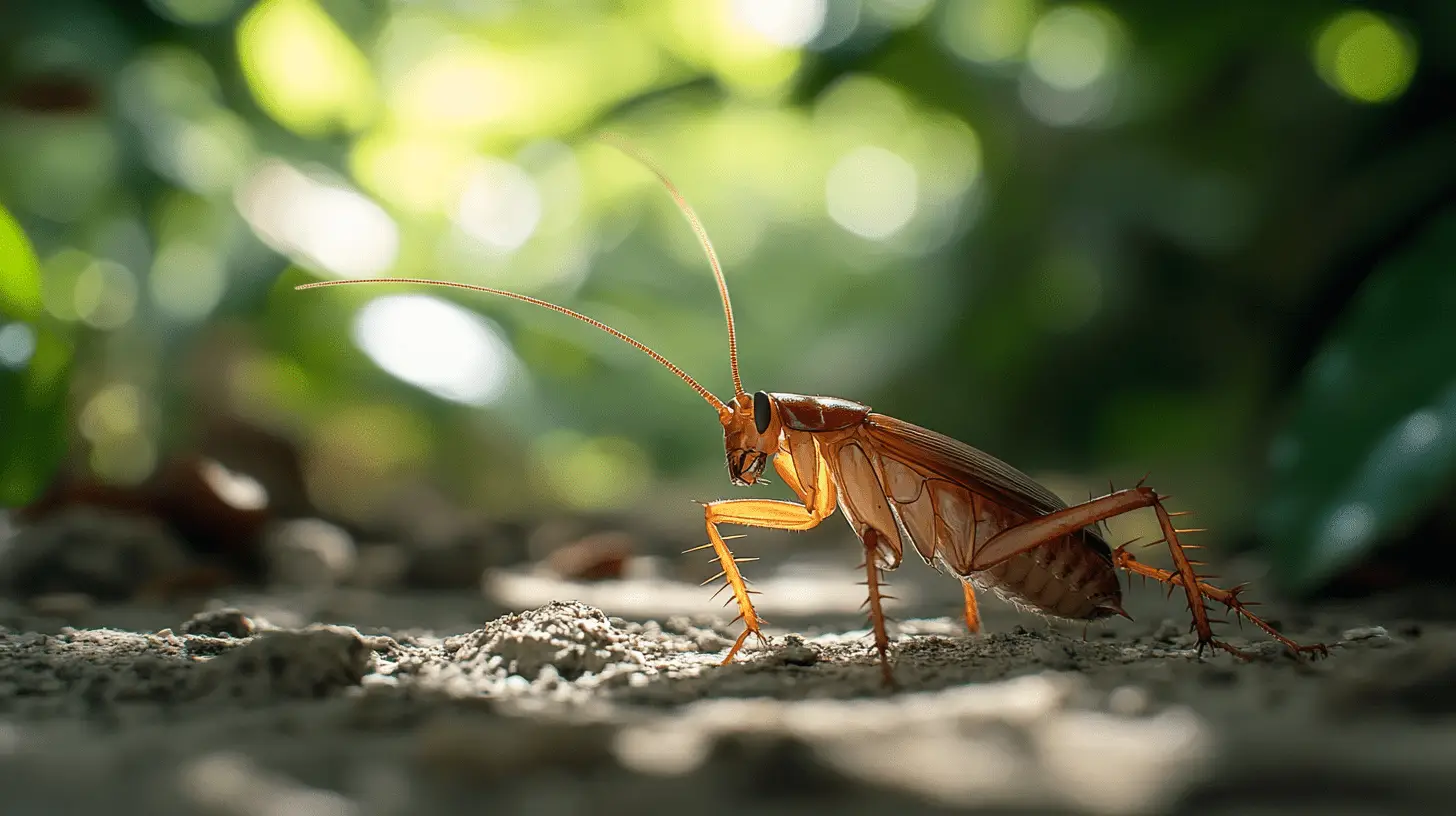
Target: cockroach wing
(913,503)
(864,503)
(960,480)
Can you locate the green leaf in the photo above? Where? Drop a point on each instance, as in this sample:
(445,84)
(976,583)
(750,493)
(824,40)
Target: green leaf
(1371,444)
(19,272)
(35,362)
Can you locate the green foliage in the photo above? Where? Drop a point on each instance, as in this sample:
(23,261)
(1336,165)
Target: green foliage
(1372,443)
(19,272)
(1072,234)
(33,374)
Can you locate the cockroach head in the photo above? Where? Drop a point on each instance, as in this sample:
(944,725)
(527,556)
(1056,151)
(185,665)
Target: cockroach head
(750,436)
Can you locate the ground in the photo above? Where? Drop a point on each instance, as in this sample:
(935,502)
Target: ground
(356,702)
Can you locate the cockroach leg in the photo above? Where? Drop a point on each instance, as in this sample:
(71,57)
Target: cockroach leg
(1198,592)
(875,603)
(769,513)
(1035,532)
(733,579)
(1228,597)
(1039,531)
(973,614)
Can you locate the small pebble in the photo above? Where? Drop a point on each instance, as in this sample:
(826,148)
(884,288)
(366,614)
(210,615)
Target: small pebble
(796,653)
(1168,631)
(1365,633)
(218,623)
(710,642)
(309,553)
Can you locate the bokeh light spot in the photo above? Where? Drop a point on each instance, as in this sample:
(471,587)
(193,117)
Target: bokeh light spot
(167,80)
(187,280)
(172,96)
(17,345)
(124,459)
(303,69)
(112,420)
(421,175)
(1365,56)
(1073,61)
(460,87)
(788,23)
(1348,528)
(1419,431)
(1071,48)
(326,226)
(105,295)
(58,283)
(872,192)
(863,106)
(987,31)
(113,411)
(501,205)
(210,155)
(435,345)
(717,37)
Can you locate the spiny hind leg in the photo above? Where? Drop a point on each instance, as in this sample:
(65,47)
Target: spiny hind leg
(1035,532)
(1199,592)
(1228,597)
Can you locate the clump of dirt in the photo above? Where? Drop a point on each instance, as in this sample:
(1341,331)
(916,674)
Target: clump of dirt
(225,622)
(286,665)
(571,637)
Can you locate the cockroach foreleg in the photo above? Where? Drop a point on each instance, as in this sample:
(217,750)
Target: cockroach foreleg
(733,579)
(875,603)
(973,613)
(814,489)
(1039,531)
(769,513)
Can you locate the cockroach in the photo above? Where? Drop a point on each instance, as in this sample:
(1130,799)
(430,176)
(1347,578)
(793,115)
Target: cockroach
(903,486)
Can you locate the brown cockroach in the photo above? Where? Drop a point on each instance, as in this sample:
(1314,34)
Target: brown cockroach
(899,484)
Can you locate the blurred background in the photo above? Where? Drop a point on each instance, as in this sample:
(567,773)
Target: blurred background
(1095,240)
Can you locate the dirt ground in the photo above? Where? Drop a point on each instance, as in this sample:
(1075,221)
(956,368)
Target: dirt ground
(353,702)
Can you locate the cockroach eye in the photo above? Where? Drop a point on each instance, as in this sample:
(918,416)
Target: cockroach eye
(762,412)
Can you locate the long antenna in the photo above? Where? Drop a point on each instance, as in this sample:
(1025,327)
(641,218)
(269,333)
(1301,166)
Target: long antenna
(687,210)
(702,392)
